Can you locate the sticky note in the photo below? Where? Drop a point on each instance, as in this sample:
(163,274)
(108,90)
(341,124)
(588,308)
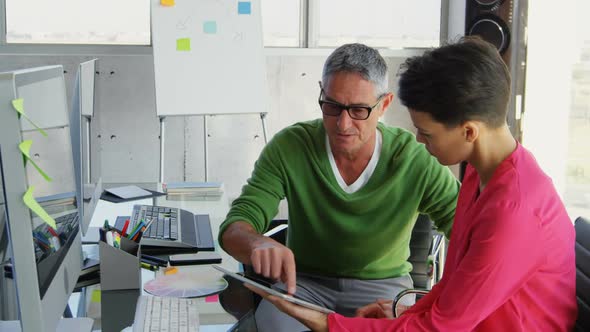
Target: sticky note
(210,27)
(167,2)
(212,298)
(18,105)
(95,297)
(244,7)
(170,270)
(183,44)
(32,204)
(25,148)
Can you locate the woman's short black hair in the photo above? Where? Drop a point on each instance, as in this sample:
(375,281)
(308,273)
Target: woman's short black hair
(467,80)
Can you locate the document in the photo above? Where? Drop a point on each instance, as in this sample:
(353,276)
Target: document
(128,192)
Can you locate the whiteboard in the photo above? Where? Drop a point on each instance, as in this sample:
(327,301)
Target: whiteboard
(208,57)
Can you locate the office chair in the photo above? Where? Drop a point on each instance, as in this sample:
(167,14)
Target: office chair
(583,273)
(426,255)
(241,302)
(582,227)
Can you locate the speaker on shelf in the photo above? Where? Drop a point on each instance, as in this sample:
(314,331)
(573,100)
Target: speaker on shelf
(491,20)
(503,24)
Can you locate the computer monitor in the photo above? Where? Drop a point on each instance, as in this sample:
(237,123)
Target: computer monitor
(88,191)
(46,262)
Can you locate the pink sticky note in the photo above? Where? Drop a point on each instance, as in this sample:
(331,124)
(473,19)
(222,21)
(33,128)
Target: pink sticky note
(212,298)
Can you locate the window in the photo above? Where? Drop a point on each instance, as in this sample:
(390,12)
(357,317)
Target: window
(280,22)
(392,24)
(379,23)
(557,99)
(78,22)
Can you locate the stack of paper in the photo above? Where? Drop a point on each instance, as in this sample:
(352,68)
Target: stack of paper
(193,190)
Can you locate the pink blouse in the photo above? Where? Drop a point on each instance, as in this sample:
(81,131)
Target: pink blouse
(510,264)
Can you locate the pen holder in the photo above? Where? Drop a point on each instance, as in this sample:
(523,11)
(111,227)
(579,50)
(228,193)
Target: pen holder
(120,267)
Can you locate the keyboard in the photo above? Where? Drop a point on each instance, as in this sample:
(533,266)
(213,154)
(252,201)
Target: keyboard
(164,221)
(171,230)
(154,313)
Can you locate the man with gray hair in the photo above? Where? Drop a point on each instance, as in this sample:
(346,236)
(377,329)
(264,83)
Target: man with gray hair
(354,187)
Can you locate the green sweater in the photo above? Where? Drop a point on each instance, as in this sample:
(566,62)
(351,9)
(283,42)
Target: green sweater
(363,235)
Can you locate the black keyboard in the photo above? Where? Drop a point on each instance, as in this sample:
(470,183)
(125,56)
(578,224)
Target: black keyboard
(162,221)
(171,230)
(65,224)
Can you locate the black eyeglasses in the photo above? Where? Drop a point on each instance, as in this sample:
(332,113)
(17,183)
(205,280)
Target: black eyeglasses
(356,112)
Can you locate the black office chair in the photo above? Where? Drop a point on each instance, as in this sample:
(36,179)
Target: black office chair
(582,227)
(583,274)
(426,255)
(241,302)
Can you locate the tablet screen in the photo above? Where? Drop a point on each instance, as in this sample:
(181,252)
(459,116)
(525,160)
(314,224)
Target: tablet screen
(274,292)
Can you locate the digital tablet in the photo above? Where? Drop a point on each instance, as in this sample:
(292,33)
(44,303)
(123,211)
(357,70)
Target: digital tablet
(274,292)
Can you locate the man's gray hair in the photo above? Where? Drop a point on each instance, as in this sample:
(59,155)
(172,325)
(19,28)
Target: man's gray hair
(361,59)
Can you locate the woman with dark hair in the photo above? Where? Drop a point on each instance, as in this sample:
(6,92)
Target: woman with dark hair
(511,262)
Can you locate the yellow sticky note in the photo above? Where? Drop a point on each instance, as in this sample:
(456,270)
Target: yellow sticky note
(167,2)
(183,44)
(25,148)
(19,106)
(32,204)
(95,297)
(170,270)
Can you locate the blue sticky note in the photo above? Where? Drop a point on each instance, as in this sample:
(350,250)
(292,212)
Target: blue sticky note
(244,7)
(210,27)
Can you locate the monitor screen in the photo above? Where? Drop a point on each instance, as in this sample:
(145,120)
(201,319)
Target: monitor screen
(46,260)
(88,191)
(53,154)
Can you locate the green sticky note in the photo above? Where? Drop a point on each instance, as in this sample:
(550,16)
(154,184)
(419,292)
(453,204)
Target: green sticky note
(210,27)
(183,44)
(32,204)
(18,105)
(95,297)
(25,149)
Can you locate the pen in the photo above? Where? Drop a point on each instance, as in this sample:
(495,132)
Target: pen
(106,225)
(149,267)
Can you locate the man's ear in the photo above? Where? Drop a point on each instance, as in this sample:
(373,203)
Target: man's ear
(470,131)
(387,99)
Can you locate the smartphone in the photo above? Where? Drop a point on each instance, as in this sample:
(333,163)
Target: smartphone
(202,257)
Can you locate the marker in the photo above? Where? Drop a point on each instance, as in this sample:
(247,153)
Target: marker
(149,266)
(52,231)
(125,228)
(138,234)
(110,238)
(117,240)
(106,225)
(135,228)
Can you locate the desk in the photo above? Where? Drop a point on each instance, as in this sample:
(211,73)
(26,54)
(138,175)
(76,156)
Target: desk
(211,314)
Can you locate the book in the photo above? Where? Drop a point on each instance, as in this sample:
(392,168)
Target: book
(193,187)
